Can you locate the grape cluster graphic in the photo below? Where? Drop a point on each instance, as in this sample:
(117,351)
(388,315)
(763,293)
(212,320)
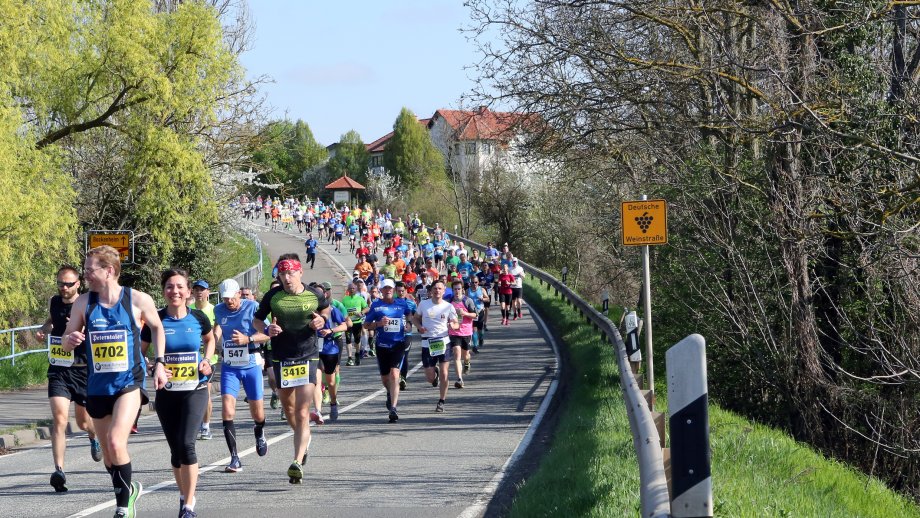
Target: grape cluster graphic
(644,221)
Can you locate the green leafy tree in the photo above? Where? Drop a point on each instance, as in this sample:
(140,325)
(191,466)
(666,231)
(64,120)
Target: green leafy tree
(410,156)
(287,154)
(351,158)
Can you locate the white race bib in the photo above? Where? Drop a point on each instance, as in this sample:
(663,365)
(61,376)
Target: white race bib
(295,373)
(184,368)
(394,325)
(57,356)
(437,346)
(236,355)
(109,350)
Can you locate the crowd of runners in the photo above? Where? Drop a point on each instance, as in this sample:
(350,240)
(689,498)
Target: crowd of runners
(410,284)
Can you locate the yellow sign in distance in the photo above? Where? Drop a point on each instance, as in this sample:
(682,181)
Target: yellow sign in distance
(644,222)
(120,241)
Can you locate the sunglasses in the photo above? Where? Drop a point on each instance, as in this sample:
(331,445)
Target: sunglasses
(66,284)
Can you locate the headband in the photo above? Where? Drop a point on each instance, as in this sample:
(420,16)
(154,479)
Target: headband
(288,265)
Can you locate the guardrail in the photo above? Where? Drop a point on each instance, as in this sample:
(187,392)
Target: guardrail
(249,278)
(654,495)
(12,332)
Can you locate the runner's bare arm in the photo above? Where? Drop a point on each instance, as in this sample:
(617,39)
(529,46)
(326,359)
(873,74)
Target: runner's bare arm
(73,335)
(148,312)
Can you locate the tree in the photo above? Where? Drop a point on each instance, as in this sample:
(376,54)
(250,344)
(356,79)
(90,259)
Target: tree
(785,137)
(287,153)
(410,155)
(350,158)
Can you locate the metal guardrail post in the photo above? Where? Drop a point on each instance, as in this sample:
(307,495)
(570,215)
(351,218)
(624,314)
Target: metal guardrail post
(688,406)
(13,346)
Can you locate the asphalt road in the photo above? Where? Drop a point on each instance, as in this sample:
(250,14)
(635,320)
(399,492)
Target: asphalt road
(426,465)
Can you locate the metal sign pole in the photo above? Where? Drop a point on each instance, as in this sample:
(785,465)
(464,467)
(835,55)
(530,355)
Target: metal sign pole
(647,299)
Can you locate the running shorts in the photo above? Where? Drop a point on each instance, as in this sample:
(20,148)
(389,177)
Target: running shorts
(276,366)
(504,298)
(390,357)
(462,342)
(516,293)
(99,407)
(328,362)
(69,383)
(432,361)
(249,377)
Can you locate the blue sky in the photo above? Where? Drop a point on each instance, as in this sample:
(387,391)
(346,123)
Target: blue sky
(353,64)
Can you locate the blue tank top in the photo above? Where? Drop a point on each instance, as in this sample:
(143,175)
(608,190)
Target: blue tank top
(115,363)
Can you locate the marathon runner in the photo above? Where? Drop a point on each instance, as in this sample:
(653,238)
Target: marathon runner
(356,306)
(298,311)
(461,338)
(517,288)
(388,317)
(330,356)
(115,387)
(181,401)
(66,375)
(434,318)
(201,297)
(242,366)
(402,292)
(311,245)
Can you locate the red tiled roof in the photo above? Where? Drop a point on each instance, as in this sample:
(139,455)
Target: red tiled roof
(482,124)
(344,183)
(380,144)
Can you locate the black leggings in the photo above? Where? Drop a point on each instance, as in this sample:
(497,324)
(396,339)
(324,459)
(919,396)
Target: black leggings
(180,414)
(353,333)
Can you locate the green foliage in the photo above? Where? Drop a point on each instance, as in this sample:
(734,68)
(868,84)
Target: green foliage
(351,158)
(410,156)
(756,471)
(289,151)
(38,231)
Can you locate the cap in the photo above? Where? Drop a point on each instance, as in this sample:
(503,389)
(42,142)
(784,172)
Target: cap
(326,285)
(388,283)
(201,283)
(227,289)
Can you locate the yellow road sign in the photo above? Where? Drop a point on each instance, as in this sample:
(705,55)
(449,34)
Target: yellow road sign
(645,222)
(119,240)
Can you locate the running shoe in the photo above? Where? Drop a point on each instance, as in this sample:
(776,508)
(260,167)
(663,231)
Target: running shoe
(136,489)
(295,473)
(334,412)
(261,443)
(475,350)
(402,383)
(466,367)
(205,435)
(235,465)
(58,479)
(133,429)
(440,407)
(95,449)
(372,352)
(317,417)
(394,416)
(274,401)
(187,513)
(119,513)
(350,362)
(358,357)
(458,383)
(326,398)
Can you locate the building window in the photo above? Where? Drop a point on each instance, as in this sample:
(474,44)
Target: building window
(486,148)
(376,161)
(470,148)
(457,148)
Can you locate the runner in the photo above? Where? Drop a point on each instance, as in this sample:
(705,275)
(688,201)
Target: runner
(356,307)
(330,356)
(339,231)
(402,292)
(387,316)
(297,312)
(242,366)
(181,402)
(434,318)
(201,297)
(116,369)
(66,376)
(461,338)
(517,288)
(311,244)
(480,297)
(486,281)
(505,282)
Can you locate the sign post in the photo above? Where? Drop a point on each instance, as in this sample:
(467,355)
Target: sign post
(645,223)
(121,240)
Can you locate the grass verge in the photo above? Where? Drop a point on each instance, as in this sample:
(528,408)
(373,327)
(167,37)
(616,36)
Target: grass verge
(29,370)
(591,468)
(234,255)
